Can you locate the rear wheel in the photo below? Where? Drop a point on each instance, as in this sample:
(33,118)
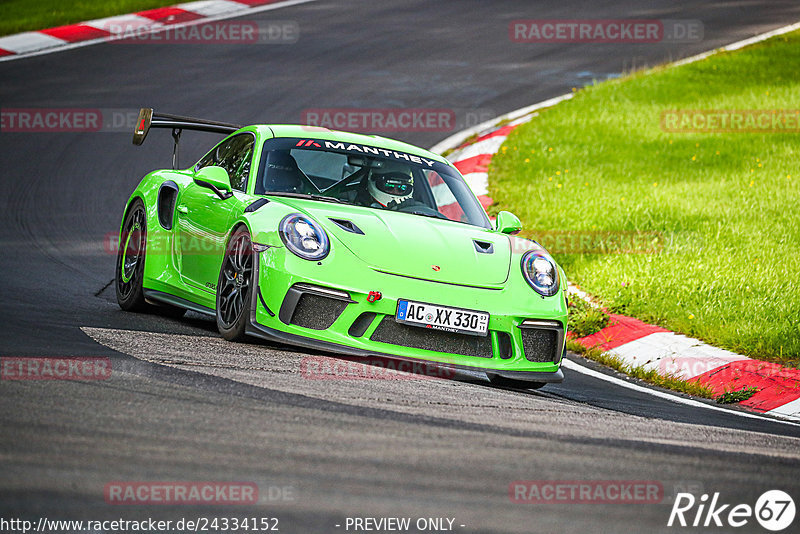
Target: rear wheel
(502,381)
(130,259)
(130,266)
(234,286)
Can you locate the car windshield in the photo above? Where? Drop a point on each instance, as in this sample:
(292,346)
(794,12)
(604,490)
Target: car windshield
(366,176)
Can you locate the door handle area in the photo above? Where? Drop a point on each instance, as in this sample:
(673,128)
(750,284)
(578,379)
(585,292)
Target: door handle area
(183,209)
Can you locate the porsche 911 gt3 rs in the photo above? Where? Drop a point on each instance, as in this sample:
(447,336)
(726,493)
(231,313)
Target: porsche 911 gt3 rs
(349,243)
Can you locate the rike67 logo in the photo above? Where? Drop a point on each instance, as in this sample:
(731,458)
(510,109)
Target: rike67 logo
(774,510)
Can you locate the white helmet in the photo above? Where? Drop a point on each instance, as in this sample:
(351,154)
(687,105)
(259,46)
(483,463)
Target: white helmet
(390,185)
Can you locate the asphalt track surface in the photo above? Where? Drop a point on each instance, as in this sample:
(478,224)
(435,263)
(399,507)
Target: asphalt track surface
(182,405)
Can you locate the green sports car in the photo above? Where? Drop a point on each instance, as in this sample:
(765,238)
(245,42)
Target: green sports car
(348,243)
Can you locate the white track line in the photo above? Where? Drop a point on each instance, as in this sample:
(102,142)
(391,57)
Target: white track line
(455,139)
(569,364)
(739,44)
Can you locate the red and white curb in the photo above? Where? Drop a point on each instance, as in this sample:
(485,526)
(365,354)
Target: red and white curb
(472,157)
(473,160)
(651,347)
(636,343)
(33,43)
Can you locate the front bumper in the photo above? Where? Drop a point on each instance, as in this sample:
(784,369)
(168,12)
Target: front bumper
(318,306)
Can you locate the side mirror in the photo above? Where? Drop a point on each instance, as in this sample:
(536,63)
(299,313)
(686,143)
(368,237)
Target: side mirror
(507,223)
(215,178)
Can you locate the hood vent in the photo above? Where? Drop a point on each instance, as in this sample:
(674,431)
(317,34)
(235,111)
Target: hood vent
(347,226)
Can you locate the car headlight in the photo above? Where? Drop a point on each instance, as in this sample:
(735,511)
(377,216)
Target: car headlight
(304,237)
(540,270)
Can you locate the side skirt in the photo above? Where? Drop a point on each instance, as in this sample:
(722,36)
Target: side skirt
(159,297)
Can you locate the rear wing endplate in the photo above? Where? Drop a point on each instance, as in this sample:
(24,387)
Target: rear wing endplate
(149,119)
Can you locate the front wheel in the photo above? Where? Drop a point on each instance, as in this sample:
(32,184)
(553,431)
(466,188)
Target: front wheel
(502,381)
(234,286)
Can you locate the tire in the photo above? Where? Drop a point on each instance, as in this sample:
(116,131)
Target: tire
(234,286)
(129,276)
(502,381)
(130,260)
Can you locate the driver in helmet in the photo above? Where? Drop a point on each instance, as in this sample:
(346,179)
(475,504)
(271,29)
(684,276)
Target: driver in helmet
(390,186)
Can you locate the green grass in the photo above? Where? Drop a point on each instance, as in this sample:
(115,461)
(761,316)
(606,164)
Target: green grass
(25,15)
(731,397)
(585,319)
(726,207)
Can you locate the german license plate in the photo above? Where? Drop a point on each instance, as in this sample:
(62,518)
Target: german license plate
(444,318)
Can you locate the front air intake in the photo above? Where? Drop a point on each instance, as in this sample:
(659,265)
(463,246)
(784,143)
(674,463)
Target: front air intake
(390,331)
(542,341)
(313,307)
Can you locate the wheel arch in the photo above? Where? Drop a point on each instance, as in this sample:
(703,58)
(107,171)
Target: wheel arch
(133,198)
(239,223)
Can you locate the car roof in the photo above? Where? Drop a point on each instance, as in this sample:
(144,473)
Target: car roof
(324,134)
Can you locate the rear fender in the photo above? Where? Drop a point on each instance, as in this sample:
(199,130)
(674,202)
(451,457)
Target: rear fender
(160,262)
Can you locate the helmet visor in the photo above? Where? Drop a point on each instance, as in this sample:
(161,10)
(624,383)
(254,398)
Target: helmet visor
(395,183)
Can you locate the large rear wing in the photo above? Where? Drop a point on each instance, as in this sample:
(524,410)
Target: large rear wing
(149,119)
